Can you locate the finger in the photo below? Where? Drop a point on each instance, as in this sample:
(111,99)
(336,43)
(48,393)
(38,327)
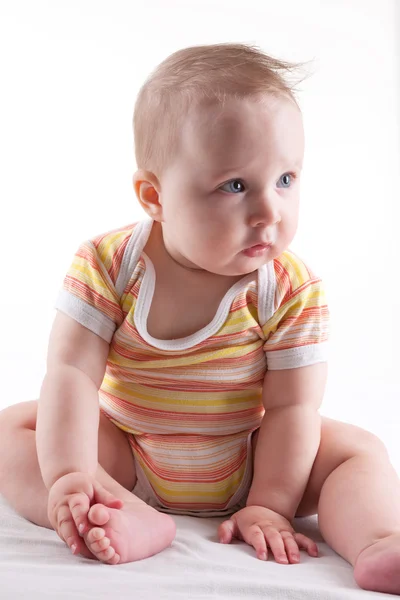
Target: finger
(79,505)
(226,531)
(291,547)
(276,544)
(256,538)
(66,528)
(103,496)
(306,543)
(52,516)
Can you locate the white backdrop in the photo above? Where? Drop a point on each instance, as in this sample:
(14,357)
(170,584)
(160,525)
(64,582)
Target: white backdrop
(69,74)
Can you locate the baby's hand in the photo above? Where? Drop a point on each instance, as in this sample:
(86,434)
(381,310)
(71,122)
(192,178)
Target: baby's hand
(70,498)
(259,526)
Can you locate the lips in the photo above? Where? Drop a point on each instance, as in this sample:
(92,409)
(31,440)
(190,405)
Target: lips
(257,249)
(261,245)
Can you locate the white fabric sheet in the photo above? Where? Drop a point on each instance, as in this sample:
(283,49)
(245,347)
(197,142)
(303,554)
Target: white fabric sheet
(36,564)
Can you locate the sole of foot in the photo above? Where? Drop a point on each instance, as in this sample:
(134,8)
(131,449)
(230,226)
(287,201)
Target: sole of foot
(134,532)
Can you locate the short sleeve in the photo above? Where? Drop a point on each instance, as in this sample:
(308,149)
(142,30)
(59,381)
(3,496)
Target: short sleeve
(88,293)
(297,332)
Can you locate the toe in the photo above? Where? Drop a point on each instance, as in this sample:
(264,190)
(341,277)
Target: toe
(98,514)
(107,555)
(101,545)
(95,535)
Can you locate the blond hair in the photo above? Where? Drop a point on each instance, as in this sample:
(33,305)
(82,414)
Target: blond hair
(191,76)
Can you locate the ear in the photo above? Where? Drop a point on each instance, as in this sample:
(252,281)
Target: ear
(147,189)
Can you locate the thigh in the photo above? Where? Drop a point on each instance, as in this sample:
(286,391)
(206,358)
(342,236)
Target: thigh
(114,451)
(339,442)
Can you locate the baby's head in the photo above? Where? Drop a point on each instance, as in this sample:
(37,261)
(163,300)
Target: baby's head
(219,147)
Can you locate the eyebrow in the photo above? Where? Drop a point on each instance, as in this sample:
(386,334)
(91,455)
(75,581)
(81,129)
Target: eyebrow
(226,171)
(296,163)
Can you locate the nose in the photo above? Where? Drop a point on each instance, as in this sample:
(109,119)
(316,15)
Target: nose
(265,211)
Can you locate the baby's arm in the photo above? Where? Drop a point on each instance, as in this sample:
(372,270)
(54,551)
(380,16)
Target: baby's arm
(67,425)
(289,437)
(296,333)
(287,444)
(68,409)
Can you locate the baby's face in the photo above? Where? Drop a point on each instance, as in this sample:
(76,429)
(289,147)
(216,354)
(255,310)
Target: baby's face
(234,184)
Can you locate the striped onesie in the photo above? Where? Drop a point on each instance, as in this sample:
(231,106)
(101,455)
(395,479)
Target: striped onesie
(189,406)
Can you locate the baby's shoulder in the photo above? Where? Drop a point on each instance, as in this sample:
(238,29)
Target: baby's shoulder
(111,252)
(291,271)
(113,242)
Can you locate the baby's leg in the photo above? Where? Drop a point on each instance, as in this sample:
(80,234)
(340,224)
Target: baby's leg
(22,486)
(20,478)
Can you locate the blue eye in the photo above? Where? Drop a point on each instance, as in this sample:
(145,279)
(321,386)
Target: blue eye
(236,186)
(286,178)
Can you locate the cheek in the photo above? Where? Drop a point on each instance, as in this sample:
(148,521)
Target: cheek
(212,230)
(293,218)
(179,215)
(290,223)
(209,216)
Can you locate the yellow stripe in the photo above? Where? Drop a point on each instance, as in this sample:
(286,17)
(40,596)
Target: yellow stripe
(110,244)
(292,264)
(217,490)
(190,359)
(92,278)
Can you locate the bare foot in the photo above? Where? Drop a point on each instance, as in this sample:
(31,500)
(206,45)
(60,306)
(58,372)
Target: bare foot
(131,533)
(377,568)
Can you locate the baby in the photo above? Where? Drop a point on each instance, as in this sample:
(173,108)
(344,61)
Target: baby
(187,361)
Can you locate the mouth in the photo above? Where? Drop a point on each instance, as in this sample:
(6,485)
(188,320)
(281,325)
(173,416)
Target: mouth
(257,249)
(263,245)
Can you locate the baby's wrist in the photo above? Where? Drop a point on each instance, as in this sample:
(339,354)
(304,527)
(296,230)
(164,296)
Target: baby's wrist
(73,481)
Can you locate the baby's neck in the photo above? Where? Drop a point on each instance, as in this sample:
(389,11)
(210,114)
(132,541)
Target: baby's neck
(167,265)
